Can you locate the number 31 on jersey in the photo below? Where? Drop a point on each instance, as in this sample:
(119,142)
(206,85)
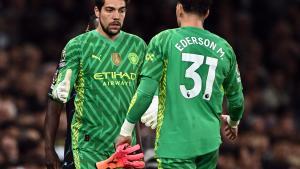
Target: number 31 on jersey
(190,72)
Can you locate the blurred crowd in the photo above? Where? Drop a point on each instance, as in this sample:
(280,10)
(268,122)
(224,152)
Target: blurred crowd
(264,33)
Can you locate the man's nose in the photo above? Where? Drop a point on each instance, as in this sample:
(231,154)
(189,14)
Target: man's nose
(116,15)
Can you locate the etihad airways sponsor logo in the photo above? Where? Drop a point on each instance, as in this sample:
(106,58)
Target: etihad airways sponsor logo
(115,75)
(118,83)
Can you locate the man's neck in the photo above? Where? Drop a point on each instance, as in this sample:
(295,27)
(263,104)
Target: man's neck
(193,21)
(113,37)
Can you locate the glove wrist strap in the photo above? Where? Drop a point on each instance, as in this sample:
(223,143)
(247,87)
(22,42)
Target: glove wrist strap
(127,128)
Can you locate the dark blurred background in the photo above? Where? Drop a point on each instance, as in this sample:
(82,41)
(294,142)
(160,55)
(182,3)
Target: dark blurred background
(264,33)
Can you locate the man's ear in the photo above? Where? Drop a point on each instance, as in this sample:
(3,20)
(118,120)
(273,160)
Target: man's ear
(97,12)
(179,10)
(206,15)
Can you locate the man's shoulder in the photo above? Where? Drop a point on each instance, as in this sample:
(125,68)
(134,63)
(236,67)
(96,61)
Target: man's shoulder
(167,32)
(80,38)
(220,39)
(164,34)
(224,44)
(133,36)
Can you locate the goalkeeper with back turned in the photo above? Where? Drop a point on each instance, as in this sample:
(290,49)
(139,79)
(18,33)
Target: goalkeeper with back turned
(193,69)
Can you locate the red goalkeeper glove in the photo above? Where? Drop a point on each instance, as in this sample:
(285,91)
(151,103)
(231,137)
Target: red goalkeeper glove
(123,158)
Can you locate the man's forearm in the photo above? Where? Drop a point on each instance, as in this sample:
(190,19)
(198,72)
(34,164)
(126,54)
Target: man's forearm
(139,104)
(236,106)
(142,99)
(51,122)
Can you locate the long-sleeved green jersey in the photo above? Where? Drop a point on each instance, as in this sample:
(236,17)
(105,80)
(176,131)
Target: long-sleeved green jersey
(104,76)
(194,69)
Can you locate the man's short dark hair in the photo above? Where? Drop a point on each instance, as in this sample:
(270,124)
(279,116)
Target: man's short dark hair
(196,6)
(100,3)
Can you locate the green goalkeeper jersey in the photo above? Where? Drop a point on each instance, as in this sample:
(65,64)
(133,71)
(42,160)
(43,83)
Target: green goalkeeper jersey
(104,76)
(194,69)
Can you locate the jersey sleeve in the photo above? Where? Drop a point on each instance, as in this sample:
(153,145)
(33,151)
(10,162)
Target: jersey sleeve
(149,79)
(234,90)
(70,59)
(143,51)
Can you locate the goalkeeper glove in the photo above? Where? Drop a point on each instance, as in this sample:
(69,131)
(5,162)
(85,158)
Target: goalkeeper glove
(61,91)
(149,118)
(123,158)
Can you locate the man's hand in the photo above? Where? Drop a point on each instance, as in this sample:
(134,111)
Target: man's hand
(61,91)
(231,127)
(149,118)
(52,160)
(122,140)
(125,133)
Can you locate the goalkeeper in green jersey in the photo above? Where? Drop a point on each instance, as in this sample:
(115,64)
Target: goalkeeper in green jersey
(193,69)
(102,67)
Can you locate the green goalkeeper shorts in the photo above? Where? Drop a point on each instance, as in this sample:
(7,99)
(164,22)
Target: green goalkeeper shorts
(206,161)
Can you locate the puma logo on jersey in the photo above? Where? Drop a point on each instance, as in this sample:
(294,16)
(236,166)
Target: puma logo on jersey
(96,57)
